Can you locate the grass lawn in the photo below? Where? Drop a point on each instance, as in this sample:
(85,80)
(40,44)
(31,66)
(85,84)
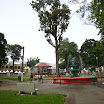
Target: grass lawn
(26,78)
(15,78)
(12,97)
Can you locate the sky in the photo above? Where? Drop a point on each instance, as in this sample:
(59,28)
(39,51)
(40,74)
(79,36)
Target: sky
(20,25)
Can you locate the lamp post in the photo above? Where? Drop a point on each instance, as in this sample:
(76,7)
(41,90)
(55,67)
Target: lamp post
(97,61)
(23,60)
(22,65)
(97,66)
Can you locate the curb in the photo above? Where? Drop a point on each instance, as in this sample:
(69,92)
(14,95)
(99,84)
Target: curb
(70,99)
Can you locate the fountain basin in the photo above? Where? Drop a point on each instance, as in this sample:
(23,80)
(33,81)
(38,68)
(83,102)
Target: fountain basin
(66,80)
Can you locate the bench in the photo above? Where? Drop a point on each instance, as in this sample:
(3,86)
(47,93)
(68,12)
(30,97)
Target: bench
(27,87)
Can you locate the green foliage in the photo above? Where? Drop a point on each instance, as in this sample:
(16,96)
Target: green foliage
(32,62)
(88,52)
(14,51)
(3,43)
(62,65)
(100,52)
(67,48)
(92,52)
(12,97)
(54,18)
(66,51)
(95,14)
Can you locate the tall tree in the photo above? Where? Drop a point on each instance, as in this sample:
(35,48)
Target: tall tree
(67,50)
(3,43)
(54,20)
(14,51)
(32,62)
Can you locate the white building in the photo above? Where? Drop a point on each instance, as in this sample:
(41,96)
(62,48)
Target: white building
(17,67)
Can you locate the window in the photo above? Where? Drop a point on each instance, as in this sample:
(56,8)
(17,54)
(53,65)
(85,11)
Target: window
(11,67)
(18,67)
(6,67)
(2,67)
(15,67)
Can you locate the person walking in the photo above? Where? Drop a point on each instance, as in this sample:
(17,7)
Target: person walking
(31,77)
(40,78)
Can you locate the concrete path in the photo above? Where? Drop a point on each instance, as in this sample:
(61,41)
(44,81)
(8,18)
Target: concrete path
(82,93)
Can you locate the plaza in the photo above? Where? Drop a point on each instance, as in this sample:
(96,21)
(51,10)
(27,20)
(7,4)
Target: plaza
(90,93)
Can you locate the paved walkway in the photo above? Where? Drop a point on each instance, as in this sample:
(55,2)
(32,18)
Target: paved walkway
(82,93)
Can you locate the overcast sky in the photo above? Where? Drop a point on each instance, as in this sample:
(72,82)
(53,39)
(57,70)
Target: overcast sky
(20,25)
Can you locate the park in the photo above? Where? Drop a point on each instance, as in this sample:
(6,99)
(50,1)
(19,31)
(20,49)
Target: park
(48,92)
(76,75)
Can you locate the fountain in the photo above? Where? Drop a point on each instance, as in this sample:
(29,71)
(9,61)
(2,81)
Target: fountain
(74,71)
(75,78)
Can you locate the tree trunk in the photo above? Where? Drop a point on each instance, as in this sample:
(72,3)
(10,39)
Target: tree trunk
(57,68)
(13,65)
(56,50)
(66,65)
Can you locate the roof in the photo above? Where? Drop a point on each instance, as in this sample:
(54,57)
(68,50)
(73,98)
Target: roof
(42,65)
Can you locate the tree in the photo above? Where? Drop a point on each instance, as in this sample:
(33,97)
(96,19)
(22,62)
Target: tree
(67,50)
(88,52)
(3,43)
(96,16)
(100,52)
(95,13)
(92,53)
(14,51)
(54,20)
(62,65)
(32,62)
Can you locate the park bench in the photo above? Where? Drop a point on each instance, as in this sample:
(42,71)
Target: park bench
(27,87)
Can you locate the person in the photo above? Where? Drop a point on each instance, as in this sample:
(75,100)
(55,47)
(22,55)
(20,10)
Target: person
(40,78)
(31,77)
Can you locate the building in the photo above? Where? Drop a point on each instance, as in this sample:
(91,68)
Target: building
(17,67)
